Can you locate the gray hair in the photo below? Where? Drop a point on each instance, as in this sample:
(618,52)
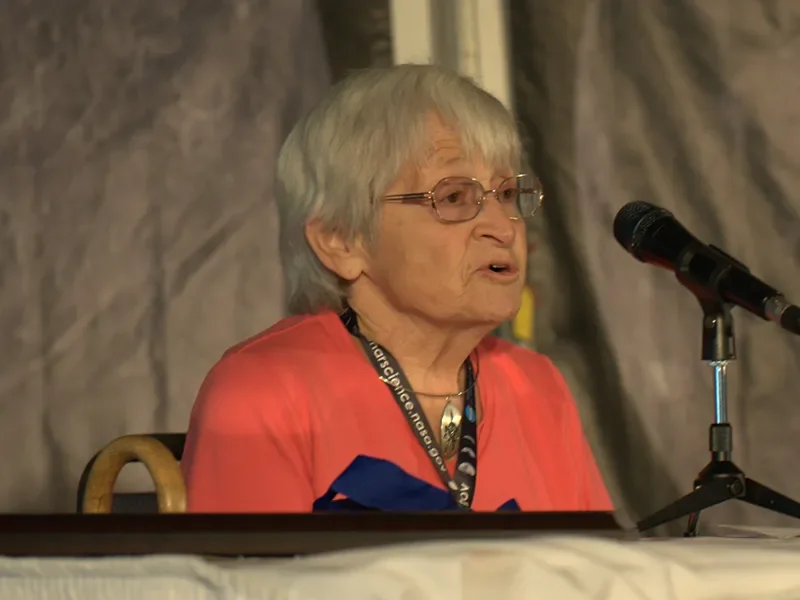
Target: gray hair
(352,146)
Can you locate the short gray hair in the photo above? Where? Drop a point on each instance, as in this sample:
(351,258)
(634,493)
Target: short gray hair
(353,145)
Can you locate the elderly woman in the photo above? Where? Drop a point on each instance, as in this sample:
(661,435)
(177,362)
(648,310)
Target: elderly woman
(402,237)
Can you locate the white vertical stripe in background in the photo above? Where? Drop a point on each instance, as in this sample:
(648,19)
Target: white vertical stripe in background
(470,36)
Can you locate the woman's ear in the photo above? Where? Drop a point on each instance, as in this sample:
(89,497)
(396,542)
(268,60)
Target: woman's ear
(344,257)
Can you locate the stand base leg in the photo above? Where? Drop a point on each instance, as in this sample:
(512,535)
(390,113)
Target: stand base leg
(713,488)
(704,496)
(758,494)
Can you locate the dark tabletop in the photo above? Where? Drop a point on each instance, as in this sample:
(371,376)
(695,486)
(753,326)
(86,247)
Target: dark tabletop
(275,535)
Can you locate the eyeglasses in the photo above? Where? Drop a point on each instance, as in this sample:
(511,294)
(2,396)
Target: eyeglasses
(459,199)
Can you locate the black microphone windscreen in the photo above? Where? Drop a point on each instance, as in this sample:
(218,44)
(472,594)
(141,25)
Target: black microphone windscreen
(632,222)
(790,319)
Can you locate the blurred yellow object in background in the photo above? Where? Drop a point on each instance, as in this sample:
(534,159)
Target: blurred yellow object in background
(523,324)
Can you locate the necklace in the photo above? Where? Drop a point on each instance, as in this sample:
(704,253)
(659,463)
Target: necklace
(450,430)
(461,483)
(450,421)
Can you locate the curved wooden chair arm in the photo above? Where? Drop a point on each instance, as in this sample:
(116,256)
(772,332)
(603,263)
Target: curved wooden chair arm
(160,463)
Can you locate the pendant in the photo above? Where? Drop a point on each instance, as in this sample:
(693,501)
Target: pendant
(450,430)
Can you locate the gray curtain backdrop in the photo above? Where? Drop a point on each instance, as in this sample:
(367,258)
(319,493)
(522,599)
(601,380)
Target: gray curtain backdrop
(137,235)
(692,105)
(137,230)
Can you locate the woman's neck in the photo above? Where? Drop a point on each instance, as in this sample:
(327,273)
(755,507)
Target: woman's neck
(431,355)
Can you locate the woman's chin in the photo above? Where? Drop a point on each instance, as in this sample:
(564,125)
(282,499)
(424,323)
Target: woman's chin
(494,316)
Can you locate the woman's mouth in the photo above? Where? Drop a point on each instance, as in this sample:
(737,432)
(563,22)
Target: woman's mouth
(500,271)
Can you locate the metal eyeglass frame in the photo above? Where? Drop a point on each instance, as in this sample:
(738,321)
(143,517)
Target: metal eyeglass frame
(430,197)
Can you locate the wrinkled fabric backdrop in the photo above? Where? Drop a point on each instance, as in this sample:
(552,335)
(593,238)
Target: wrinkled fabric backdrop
(138,235)
(691,105)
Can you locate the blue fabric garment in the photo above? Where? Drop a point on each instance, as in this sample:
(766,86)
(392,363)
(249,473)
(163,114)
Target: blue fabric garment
(376,484)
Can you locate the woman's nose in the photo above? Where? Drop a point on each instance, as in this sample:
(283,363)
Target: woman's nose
(494,222)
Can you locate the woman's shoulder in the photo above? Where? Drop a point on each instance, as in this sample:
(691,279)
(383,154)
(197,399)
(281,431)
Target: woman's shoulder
(523,368)
(279,362)
(507,355)
(292,337)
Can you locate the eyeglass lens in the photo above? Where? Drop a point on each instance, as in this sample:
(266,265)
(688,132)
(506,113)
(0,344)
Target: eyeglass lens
(460,199)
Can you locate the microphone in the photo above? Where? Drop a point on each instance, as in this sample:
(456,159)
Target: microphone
(653,235)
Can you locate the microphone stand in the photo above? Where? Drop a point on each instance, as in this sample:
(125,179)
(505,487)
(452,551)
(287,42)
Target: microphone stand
(721,480)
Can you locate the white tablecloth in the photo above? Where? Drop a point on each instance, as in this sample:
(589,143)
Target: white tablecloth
(563,568)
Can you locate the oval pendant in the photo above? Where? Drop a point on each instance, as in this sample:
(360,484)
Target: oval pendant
(450,430)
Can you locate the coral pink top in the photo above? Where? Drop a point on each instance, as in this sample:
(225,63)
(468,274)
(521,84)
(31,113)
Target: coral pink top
(283,414)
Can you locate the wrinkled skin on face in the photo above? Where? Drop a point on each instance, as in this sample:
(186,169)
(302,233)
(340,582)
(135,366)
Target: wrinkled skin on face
(438,271)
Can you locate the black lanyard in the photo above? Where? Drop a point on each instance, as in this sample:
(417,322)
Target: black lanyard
(462,485)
